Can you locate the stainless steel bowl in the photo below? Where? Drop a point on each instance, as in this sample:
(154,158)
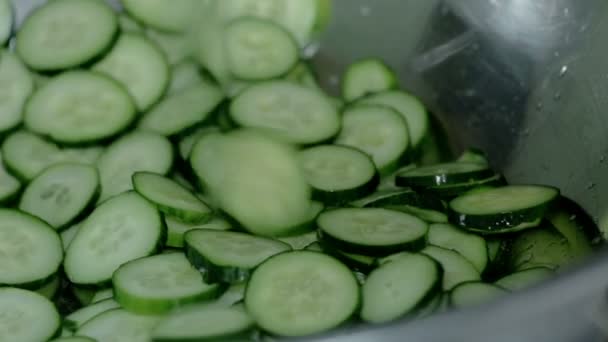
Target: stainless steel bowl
(525,80)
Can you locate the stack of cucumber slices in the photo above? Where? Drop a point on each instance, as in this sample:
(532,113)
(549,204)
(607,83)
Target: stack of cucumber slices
(173,172)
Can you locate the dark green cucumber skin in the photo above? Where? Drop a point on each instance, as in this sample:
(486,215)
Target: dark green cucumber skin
(402,180)
(499,223)
(353,264)
(376,251)
(342,197)
(213,273)
(410,198)
(452,191)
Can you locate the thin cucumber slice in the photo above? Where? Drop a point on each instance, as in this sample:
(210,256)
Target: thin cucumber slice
(26,154)
(65,34)
(379,131)
(122,229)
(84,295)
(171,198)
(128,24)
(102,295)
(304,74)
(160,283)
(504,209)
(119,325)
(494,248)
(443,174)
(357,262)
(137,151)
(76,319)
(367,76)
(61,194)
(470,246)
(298,242)
(6,20)
(192,106)
(541,247)
(397,198)
(372,231)
(255,179)
(293,112)
(314,247)
(26,316)
(205,323)
(574,226)
(30,254)
(186,143)
(338,174)
(474,293)
(233,295)
(456,268)
(79,107)
(184,75)
(400,287)
(331,295)
(428,215)
(140,66)
(74,339)
(523,279)
(409,107)
(473,155)
(229,257)
(68,235)
(387,182)
(10,186)
(174,16)
(296,16)
(176,229)
(176,47)
(16,85)
(51,288)
(449,192)
(258,49)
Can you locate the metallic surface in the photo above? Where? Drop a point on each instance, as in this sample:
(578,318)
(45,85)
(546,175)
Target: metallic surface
(525,80)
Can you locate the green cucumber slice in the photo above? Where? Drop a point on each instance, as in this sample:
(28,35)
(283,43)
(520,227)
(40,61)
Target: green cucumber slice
(26,316)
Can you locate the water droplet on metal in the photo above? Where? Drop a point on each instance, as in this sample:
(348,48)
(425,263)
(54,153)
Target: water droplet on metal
(563,71)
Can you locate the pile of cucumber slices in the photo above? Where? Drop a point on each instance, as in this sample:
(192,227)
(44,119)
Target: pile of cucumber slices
(172,171)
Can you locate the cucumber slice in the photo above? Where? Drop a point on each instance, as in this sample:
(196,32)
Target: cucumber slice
(296,16)
(409,107)
(176,47)
(61,194)
(330,297)
(520,280)
(338,174)
(137,151)
(398,198)
(79,107)
(10,187)
(449,192)
(102,295)
(140,66)
(184,75)
(372,231)
(357,262)
(121,229)
(541,247)
(30,254)
(229,257)
(176,229)
(304,74)
(16,86)
(84,295)
(428,215)
(26,154)
(298,242)
(233,295)
(204,323)
(6,20)
(255,179)
(456,268)
(68,235)
(474,293)
(473,155)
(443,174)
(470,246)
(194,105)
(128,24)
(76,319)
(174,16)
(367,76)
(171,198)
(400,287)
(502,210)
(186,143)
(65,34)
(293,112)
(258,49)
(379,131)
(74,339)
(160,283)
(26,316)
(120,326)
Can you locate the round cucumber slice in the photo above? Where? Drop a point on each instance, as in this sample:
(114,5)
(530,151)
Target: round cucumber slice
(26,316)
